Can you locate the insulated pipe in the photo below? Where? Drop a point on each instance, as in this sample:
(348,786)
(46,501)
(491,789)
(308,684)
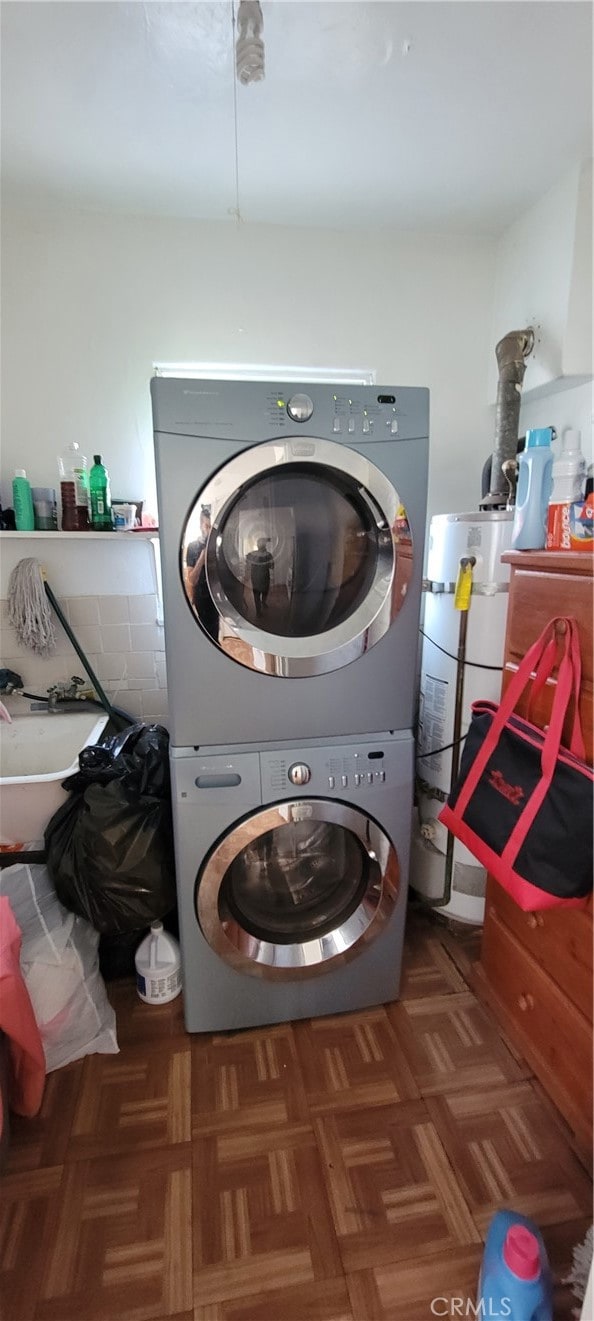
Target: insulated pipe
(511,353)
(462,600)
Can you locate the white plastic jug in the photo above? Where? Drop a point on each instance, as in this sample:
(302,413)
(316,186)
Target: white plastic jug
(158,970)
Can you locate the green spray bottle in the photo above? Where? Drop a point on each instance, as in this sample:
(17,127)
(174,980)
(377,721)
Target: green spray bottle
(101,516)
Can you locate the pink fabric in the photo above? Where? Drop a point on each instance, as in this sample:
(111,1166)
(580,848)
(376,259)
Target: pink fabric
(17,1020)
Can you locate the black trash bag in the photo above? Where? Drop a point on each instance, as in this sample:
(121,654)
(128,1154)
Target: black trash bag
(110,846)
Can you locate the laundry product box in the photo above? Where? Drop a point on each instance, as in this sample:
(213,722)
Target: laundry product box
(570,526)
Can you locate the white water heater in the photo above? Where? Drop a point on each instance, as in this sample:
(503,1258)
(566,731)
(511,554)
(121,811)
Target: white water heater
(451,879)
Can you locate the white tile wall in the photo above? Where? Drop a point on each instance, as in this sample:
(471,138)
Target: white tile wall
(122,640)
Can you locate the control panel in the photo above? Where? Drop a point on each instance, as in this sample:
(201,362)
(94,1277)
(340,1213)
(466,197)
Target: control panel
(336,772)
(251,411)
(372,414)
(348,771)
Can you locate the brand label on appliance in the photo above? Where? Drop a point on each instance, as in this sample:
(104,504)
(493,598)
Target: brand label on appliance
(302,449)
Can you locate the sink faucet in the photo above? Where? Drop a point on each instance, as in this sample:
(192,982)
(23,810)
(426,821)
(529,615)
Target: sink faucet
(68,691)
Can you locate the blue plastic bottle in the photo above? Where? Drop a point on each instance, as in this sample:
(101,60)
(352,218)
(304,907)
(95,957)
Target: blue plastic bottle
(535,481)
(515,1279)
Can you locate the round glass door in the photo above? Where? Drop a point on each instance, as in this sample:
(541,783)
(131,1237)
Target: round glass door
(290,561)
(295,887)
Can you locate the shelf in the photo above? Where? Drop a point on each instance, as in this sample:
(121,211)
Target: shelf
(144,534)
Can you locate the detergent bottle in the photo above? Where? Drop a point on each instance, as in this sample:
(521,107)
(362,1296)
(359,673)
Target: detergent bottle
(158,974)
(515,1279)
(535,478)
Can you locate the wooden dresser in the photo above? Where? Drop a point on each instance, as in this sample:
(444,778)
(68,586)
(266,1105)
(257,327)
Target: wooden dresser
(535,969)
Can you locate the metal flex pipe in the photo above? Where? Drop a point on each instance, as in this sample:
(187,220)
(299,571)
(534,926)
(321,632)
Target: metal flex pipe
(511,353)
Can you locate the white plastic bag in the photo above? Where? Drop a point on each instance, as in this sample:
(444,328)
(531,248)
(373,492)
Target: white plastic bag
(60,965)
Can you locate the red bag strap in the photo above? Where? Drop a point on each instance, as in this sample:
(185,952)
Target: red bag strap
(544,671)
(548,760)
(576,745)
(507,705)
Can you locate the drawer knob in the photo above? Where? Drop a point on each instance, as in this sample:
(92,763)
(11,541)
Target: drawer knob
(535,920)
(525,1001)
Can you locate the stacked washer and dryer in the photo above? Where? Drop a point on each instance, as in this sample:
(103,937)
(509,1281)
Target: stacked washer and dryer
(292,524)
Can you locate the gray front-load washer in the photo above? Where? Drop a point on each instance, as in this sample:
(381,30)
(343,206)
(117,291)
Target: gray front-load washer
(292,524)
(292,870)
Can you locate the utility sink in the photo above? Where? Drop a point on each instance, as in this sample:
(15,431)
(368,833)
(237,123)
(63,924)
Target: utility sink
(37,752)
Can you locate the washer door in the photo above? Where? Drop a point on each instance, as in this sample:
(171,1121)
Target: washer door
(296,888)
(296,557)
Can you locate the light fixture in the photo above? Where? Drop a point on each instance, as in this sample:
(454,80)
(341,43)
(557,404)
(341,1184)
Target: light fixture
(249,46)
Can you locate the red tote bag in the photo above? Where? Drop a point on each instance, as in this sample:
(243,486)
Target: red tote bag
(523,803)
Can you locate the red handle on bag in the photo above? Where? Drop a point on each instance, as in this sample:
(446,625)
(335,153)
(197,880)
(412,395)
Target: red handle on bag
(519,682)
(543,673)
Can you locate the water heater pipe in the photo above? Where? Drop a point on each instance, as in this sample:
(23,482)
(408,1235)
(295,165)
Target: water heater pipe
(511,353)
(467,563)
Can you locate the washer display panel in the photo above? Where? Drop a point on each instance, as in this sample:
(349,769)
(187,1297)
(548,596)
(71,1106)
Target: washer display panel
(295,887)
(296,563)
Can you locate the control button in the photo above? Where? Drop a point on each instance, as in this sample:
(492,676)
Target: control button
(394,427)
(351,424)
(365,424)
(380,775)
(344,779)
(300,407)
(331,781)
(299,773)
(370,777)
(336,424)
(357,778)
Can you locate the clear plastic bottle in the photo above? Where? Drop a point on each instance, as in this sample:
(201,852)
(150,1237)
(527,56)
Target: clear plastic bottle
(569,470)
(101,515)
(74,489)
(22,499)
(535,477)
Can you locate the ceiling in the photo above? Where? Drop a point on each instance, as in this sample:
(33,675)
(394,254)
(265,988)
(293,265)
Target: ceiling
(433,116)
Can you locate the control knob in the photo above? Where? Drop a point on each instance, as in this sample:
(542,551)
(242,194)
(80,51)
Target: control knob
(300,407)
(299,773)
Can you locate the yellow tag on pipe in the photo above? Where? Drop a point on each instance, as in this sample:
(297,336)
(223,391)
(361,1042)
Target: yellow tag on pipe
(463,590)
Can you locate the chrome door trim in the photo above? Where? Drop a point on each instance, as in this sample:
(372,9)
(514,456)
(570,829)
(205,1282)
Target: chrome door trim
(307,656)
(291,962)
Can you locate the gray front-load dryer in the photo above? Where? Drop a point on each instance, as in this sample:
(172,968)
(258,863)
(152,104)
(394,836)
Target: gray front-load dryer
(292,869)
(292,524)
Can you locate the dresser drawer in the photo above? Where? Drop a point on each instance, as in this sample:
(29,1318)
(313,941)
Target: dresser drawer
(557,1038)
(560,941)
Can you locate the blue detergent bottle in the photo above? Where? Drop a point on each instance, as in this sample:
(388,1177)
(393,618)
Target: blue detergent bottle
(515,1279)
(535,483)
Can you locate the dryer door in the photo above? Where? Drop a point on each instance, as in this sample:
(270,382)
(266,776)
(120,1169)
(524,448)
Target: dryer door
(294,889)
(296,556)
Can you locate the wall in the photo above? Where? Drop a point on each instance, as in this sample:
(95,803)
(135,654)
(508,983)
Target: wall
(543,278)
(91,302)
(561,409)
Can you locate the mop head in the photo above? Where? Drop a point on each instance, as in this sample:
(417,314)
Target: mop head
(28,608)
(580,1269)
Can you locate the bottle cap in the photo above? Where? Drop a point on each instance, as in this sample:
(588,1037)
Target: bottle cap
(96,458)
(540,436)
(20,472)
(156,926)
(571,441)
(521,1252)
